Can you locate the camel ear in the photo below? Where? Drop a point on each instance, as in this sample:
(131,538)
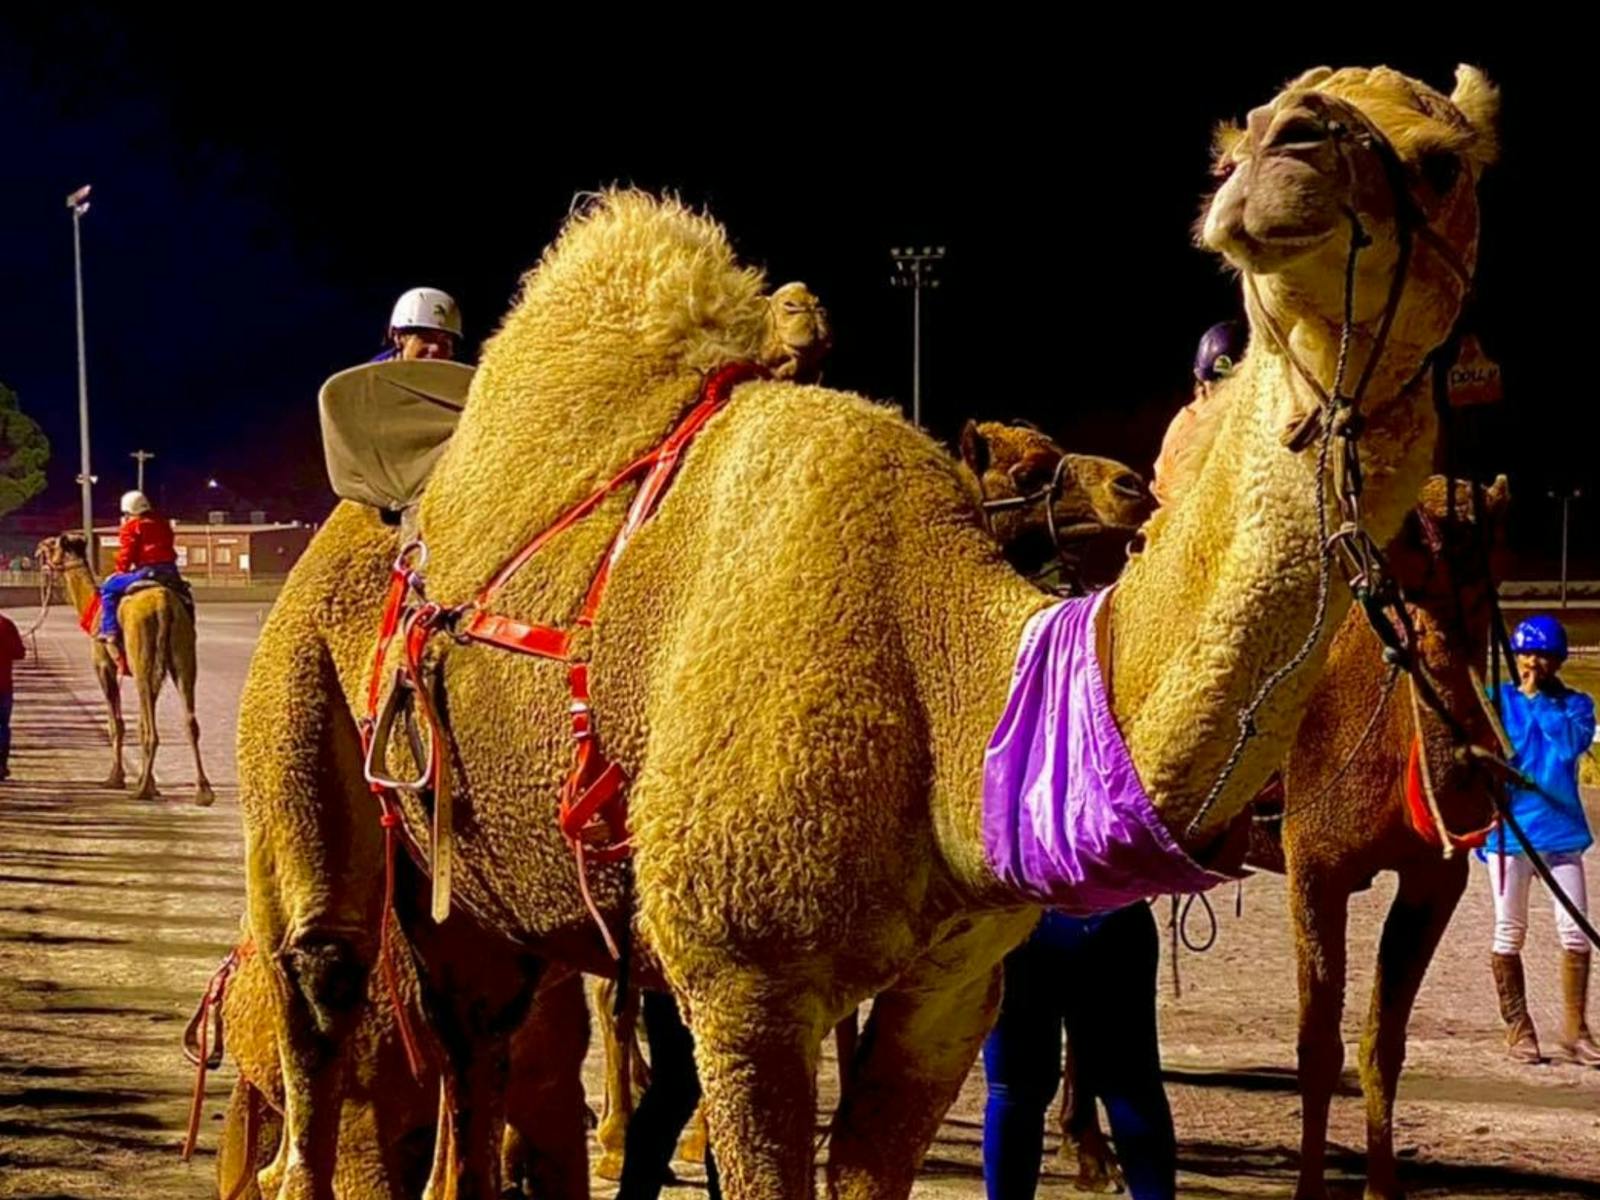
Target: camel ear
(1225,138)
(1497,497)
(1478,101)
(974,448)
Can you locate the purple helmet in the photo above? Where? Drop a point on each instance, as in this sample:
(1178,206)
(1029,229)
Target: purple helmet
(1219,351)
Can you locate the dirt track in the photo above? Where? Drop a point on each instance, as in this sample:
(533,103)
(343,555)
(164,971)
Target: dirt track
(114,913)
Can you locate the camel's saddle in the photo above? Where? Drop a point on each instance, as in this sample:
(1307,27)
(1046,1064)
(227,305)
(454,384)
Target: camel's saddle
(172,581)
(384,426)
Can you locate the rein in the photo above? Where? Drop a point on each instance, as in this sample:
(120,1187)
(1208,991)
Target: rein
(47,593)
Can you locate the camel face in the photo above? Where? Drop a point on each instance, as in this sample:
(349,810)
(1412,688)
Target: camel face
(1439,556)
(1096,496)
(54,553)
(798,334)
(1361,144)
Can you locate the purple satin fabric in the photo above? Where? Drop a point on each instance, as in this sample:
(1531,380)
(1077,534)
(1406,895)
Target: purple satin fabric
(1066,821)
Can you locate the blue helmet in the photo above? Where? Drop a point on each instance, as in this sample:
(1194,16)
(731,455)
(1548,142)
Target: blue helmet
(1540,635)
(1219,352)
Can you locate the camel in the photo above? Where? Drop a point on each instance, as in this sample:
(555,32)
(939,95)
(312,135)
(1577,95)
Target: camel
(1344,819)
(158,639)
(801,658)
(1013,471)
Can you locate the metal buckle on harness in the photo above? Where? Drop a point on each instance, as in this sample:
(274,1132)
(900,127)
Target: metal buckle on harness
(375,767)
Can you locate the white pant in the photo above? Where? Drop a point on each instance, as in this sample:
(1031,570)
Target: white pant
(1511,899)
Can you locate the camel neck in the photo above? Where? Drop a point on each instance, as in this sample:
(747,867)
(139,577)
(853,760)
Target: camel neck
(81,588)
(1227,588)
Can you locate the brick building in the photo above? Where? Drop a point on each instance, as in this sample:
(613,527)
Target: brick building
(223,554)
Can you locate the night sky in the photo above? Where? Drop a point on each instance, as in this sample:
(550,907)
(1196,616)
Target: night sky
(264,190)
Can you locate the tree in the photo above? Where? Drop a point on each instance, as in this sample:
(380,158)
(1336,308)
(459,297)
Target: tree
(24,450)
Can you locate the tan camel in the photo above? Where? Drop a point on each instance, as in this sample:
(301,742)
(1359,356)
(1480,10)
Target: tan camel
(802,657)
(158,639)
(1344,818)
(1013,471)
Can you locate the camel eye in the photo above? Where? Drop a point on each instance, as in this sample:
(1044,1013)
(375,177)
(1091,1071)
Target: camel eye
(1441,170)
(1300,131)
(1032,473)
(1129,485)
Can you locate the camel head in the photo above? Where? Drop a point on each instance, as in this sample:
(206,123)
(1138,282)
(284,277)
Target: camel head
(1098,503)
(798,334)
(1356,147)
(59,553)
(1443,558)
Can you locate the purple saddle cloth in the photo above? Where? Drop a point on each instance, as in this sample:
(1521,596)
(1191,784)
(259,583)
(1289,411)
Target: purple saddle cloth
(1066,821)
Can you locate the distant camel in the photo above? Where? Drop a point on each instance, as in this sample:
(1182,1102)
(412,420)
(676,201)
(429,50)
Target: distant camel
(158,640)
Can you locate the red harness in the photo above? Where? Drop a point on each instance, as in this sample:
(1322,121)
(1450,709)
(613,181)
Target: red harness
(593,808)
(1419,816)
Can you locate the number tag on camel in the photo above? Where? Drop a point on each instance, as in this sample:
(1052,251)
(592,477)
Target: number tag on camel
(385,424)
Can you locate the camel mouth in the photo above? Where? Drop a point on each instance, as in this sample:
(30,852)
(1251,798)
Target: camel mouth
(1265,253)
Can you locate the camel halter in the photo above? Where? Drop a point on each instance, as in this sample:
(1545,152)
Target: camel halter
(1061,537)
(1337,416)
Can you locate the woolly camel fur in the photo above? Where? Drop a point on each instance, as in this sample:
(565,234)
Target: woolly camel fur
(799,664)
(158,640)
(1102,503)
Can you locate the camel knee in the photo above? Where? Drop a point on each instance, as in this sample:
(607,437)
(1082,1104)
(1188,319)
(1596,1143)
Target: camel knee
(330,976)
(1321,1055)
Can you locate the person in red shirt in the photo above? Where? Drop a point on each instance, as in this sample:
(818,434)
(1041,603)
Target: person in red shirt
(11,651)
(144,551)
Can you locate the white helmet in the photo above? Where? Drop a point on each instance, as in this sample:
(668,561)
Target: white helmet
(426,308)
(134,503)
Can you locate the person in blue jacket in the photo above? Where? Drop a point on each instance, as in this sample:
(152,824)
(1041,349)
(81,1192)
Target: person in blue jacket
(1550,725)
(1097,976)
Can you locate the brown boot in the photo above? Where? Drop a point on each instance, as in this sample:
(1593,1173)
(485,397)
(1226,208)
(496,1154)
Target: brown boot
(1576,1040)
(1521,1042)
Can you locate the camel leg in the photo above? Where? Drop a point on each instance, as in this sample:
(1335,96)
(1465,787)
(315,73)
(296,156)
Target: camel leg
(846,1041)
(546,1148)
(1085,1149)
(149,738)
(477,991)
(183,670)
(757,1042)
(249,1142)
(920,1042)
(314,866)
(1319,909)
(919,1046)
(116,727)
(618,1038)
(1417,919)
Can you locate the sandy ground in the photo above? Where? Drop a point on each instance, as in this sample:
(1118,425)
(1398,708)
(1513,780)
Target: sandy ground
(113,914)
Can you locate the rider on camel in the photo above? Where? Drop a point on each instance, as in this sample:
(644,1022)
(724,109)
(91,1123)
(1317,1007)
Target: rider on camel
(145,551)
